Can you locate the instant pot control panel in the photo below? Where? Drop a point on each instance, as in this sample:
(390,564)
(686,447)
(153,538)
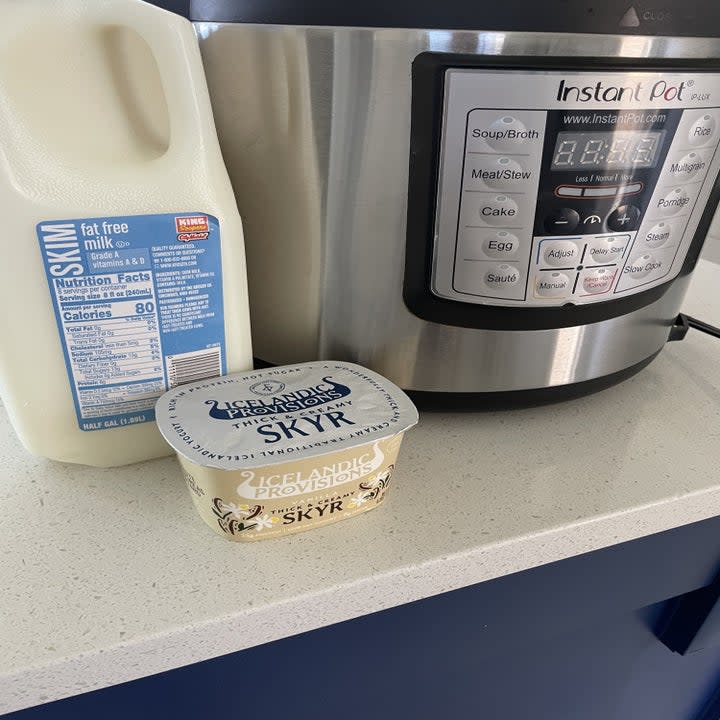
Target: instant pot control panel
(556,187)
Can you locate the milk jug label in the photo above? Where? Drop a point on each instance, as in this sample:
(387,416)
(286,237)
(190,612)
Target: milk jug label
(138,303)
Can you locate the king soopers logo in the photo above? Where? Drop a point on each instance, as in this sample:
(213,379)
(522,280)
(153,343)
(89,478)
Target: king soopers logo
(189,228)
(272,400)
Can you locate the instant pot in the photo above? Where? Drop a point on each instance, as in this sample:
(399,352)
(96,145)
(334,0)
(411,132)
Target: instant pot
(484,202)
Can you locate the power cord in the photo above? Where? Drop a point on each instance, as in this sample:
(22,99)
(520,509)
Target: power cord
(703,326)
(684,322)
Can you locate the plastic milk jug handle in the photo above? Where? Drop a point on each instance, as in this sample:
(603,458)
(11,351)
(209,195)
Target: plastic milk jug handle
(172,41)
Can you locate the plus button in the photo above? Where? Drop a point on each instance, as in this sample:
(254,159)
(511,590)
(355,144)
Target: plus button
(625,217)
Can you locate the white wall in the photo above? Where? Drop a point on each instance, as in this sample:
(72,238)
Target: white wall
(711,249)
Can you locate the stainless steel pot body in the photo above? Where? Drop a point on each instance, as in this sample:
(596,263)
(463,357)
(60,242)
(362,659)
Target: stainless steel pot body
(314,123)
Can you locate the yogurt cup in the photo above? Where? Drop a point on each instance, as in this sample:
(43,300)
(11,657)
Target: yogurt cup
(277,451)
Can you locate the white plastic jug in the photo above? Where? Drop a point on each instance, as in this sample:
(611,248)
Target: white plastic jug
(123,266)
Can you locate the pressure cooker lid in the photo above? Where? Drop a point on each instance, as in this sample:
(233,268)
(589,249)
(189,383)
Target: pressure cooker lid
(699,18)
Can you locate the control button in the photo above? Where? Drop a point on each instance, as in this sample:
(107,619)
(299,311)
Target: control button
(496,172)
(498,210)
(568,191)
(501,275)
(489,279)
(598,280)
(607,249)
(507,133)
(480,244)
(501,244)
(641,267)
(562,220)
(673,202)
(600,191)
(702,131)
(658,235)
(650,267)
(624,217)
(591,223)
(552,285)
(630,189)
(688,166)
(560,253)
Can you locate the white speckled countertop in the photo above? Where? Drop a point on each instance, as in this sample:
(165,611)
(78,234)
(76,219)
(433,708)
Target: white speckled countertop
(109,575)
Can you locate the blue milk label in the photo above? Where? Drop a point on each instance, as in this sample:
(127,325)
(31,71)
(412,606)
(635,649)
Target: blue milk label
(139,308)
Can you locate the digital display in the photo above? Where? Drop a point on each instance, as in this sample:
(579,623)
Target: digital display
(606,150)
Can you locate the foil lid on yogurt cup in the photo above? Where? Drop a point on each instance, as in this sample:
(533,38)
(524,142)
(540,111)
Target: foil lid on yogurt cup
(280,414)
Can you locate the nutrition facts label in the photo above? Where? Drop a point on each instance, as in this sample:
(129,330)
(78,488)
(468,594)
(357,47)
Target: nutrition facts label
(138,301)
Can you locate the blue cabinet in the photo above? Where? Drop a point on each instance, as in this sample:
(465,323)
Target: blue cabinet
(576,639)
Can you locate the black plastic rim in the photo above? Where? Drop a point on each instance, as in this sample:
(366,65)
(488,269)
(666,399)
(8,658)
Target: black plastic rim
(428,77)
(686,18)
(516,399)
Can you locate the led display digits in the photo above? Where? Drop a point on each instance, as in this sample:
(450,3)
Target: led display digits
(606,150)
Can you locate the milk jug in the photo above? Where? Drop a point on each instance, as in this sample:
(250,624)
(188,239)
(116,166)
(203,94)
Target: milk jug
(123,268)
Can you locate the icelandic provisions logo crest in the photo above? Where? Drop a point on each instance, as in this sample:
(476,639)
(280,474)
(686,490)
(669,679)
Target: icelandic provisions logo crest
(273,400)
(267,387)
